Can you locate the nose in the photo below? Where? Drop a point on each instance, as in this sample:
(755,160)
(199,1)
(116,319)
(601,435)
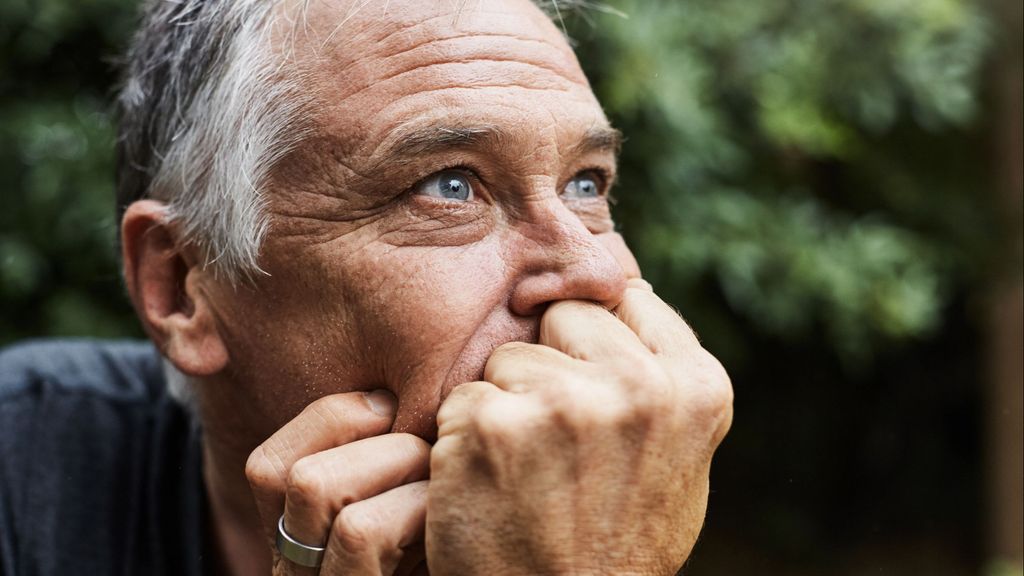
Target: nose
(560,259)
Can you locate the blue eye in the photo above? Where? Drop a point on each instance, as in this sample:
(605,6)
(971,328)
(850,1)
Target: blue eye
(583,185)
(447,184)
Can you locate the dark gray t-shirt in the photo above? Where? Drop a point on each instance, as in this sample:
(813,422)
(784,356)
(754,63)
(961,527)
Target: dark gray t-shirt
(100,470)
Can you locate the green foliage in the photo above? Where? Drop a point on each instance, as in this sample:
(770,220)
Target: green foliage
(805,179)
(731,108)
(751,126)
(57,260)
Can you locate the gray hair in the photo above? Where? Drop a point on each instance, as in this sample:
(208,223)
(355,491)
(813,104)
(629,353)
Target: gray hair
(206,113)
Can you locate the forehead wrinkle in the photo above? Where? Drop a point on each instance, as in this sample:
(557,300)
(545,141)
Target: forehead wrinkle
(385,24)
(386,39)
(446,50)
(464,77)
(448,60)
(380,28)
(461,36)
(402,68)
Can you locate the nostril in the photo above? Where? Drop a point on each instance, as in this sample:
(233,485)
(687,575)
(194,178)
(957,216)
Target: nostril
(538,310)
(558,258)
(595,277)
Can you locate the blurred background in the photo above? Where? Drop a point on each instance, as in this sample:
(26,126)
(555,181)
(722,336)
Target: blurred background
(829,190)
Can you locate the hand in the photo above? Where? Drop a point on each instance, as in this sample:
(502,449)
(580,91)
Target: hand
(344,483)
(588,453)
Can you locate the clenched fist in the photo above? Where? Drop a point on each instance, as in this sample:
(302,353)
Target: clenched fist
(587,453)
(335,478)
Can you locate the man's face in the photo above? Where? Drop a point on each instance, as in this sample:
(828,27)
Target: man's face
(455,186)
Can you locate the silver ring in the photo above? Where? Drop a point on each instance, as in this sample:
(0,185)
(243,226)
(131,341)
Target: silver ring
(297,552)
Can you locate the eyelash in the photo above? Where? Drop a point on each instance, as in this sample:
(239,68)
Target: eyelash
(453,167)
(604,176)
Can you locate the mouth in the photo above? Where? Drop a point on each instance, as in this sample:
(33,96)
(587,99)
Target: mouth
(469,365)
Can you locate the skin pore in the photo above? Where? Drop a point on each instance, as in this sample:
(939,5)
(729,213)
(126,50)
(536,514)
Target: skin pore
(374,279)
(373,283)
(441,238)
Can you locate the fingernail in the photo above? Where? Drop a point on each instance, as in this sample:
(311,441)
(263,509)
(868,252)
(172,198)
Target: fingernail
(382,402)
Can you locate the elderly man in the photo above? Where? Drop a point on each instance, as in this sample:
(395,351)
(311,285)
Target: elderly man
(372,242)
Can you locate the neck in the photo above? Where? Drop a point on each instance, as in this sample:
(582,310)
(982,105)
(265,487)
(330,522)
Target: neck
(240,543)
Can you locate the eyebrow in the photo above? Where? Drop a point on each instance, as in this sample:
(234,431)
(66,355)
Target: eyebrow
(410,144)
(430,139)
(600,138)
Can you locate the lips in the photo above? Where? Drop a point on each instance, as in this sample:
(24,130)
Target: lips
(418,405)
(469,366)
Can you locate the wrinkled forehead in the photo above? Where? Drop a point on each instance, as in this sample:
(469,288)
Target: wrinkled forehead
(345,31)
(369,58)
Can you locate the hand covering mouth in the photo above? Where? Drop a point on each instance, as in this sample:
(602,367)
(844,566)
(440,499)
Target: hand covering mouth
(470,364)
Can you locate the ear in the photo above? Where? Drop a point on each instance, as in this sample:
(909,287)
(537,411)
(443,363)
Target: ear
(167,291)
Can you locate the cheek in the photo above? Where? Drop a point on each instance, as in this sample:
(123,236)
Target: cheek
(432,306)
(614,243)
(449,286)
(424,304)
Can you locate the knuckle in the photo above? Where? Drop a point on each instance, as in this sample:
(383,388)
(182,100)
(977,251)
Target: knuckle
(457,410)
(651,372)
(649,402)
(719,385)
(447,417)
(444,453)
(608,408)
(256,466)
(713,405)
(503,360)
(307,487)
(502,422)
(605,417)
(260,470)
(724,425)
(630,414)
(642,371)
(492,422)
(354,531)
(647,386)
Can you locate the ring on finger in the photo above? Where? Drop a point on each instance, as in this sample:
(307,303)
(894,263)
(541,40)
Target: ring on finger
(295,551)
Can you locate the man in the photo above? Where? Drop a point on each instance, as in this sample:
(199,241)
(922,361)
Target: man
(373,243)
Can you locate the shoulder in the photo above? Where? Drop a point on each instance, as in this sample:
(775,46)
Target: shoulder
(93,451)
(120,371)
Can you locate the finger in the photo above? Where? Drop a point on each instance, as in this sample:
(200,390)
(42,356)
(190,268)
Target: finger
(586,331)
(373,536)
(519,366)
(454,412)
(322,484)
(328,422)
(656,324)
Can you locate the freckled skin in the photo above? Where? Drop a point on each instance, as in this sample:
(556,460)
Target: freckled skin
(553,415)
(372,286)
